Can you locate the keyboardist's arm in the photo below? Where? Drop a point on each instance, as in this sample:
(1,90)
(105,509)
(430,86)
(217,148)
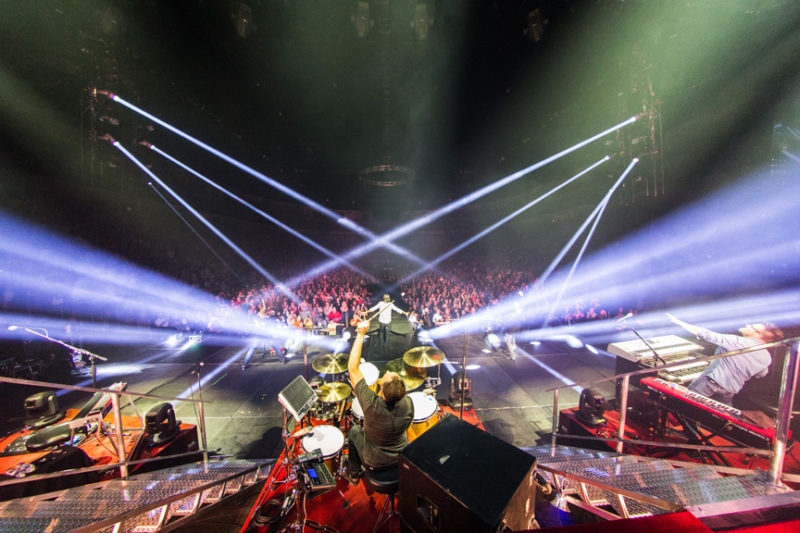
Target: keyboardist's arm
(691,328)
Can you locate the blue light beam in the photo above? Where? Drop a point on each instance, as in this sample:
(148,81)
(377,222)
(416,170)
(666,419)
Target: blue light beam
(269,181)
(252,262)
(420,222)
(500,222)
(197,234)
(261,213)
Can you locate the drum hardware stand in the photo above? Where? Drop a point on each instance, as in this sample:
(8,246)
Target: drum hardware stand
(305,358)
(463,377)
(293,478)
(432,382)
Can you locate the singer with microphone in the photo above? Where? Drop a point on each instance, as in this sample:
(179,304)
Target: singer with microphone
(387,416)
(726,376)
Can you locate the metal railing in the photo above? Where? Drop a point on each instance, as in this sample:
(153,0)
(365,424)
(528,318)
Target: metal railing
(122,461)
(782,418)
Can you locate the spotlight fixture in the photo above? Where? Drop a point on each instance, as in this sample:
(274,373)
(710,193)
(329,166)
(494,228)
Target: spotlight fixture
(591,407)
(460,383)
(362,21)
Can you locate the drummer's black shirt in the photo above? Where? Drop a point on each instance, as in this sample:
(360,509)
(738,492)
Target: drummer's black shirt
(385,427)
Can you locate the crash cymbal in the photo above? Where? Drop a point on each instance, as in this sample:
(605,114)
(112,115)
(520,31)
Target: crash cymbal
(330,363)
(424,356)
(413,377)
(333,392)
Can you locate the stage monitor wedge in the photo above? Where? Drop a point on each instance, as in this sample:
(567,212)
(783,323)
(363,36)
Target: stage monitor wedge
(456,477)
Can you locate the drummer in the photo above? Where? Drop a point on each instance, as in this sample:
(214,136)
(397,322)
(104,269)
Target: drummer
(387,416)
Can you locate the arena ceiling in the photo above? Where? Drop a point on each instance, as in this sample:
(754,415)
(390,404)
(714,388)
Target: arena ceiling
(392,107)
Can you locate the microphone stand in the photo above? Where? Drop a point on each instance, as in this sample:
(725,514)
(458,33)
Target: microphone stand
(657,358)
(74,350)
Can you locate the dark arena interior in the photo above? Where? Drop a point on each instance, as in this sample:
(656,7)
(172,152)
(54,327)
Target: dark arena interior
(568,226)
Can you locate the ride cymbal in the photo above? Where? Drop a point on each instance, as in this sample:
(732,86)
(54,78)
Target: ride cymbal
(333,392)
(423,356)
(330,363)
(413,377)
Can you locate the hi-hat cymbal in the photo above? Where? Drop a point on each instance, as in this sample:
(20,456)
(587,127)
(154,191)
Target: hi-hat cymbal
(330,363)
(333,392)
(424,356)
(413,377)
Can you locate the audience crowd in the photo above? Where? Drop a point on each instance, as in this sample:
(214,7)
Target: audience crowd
(328,301)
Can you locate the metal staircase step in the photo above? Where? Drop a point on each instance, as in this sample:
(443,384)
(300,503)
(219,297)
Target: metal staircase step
(545,453)
(698,492)
(638,486)
(139,504)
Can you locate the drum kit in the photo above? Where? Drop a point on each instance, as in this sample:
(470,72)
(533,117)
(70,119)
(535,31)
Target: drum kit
(336,411)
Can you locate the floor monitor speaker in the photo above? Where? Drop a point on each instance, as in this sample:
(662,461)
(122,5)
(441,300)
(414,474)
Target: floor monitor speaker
(456,477)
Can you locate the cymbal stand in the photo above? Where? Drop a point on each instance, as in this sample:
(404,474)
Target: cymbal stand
(294,480)
(463,377)
(432,382)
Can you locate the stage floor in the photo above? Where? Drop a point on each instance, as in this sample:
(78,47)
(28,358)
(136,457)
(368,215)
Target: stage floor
(243,416)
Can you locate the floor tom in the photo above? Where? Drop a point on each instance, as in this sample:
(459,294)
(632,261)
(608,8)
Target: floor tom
(329,440)
(425,414)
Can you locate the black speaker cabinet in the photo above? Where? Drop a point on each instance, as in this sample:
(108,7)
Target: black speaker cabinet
(456,477)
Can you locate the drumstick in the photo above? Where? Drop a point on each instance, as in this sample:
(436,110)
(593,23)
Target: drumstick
(341,412)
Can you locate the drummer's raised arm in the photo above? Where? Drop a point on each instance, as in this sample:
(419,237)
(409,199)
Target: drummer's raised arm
(355,355)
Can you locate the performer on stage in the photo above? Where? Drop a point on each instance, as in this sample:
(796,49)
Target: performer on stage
(387,416)
(385,309)
(724,377)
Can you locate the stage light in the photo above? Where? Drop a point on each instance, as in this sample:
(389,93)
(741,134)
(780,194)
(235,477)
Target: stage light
(502,221)
(252,262)
(578,258)
(248,357)
(424,337)
(271,182)
(95,284)
(790,155)
(555,373)
(191,228)
(509,306)
(570,340)
(260,212)
(552,266)
(413,225)
(204,380)
(591,407)
(173,340)
(193,340)
(493,341)
(361,19)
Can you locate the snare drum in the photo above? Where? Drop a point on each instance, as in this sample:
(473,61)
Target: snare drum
(425,414)
(370,372)
(329,440)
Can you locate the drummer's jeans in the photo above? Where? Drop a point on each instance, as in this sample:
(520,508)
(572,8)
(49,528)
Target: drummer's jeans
(356,437)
